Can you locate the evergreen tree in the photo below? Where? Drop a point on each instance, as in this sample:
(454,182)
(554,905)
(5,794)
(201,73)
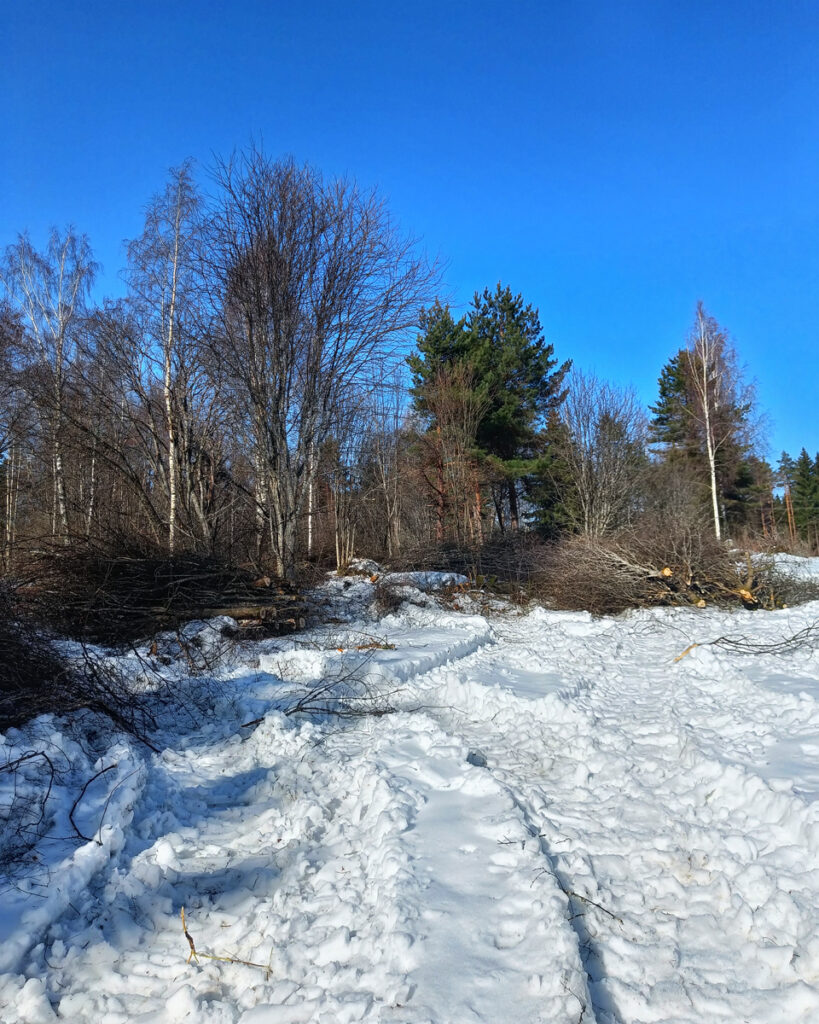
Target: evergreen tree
(747,497)
(805,494)
(518,369)
(672,425)
(548,487)
(442,343)
(785,470)
(516,378)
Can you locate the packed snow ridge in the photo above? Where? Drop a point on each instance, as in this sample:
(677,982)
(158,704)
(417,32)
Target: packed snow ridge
(542,817)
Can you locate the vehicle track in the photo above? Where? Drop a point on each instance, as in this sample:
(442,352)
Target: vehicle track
(674,862)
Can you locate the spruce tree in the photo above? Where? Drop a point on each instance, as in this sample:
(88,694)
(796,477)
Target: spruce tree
(805,494)
(672,424)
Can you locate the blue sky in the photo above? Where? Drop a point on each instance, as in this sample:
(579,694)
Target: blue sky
(614,162)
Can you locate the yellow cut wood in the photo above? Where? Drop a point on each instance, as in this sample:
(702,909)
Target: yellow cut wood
(686,651)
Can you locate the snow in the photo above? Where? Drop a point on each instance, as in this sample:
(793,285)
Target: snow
(425,580)
(422,580)
(799,568)
(558,822)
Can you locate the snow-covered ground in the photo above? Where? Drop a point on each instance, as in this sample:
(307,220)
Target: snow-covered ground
(558,822)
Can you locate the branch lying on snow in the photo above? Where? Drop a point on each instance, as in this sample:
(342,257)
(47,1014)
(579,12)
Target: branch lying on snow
(195,954)
(345,640)
(15,824)
(11,766)
(808,636)
(76,803)
(347,690)
(585,899)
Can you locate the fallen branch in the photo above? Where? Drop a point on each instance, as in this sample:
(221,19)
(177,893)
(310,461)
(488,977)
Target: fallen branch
(195,954)
(76,803)
(585,899)
(807,636)
(12,766)
(688,650)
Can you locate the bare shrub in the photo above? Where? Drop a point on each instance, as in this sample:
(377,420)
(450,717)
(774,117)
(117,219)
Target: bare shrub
(34,677)
(667,555)
(387,599)
(656,566)
(780,587)
(40,674)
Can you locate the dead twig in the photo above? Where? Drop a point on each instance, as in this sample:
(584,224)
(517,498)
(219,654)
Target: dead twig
(576,895)
(196,954)
(805,637)
(76,803)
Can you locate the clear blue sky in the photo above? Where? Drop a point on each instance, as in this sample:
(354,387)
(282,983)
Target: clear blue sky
(614,162)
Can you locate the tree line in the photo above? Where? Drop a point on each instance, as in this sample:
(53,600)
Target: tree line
(279,386)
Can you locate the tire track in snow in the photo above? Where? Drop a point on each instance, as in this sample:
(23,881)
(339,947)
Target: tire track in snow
(699,860)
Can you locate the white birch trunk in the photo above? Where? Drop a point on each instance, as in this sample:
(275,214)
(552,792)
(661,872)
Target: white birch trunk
(168,383)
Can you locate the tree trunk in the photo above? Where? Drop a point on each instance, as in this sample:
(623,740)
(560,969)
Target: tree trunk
(92,491)
(498,503)
(12,479)
(167,381)
(310,498)
(514,515)
(440,502)
(61,509)
(712,472)
(478,509)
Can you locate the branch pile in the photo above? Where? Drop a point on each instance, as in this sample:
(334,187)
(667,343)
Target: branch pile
(607,576)
(89,595)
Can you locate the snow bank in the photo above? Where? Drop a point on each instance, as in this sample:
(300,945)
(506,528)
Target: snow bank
(799,568)
(58,875)
(424,580)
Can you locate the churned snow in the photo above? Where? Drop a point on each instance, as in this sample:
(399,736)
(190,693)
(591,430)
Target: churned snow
(556,822)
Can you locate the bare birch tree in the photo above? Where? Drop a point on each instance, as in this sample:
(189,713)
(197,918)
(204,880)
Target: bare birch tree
(603,453)
(162,276)
(51,288)
(312,282)
(720,400)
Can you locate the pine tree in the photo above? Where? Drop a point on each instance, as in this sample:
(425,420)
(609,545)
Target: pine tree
(518,369)
(443,342)
(514,372)
(785,470)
